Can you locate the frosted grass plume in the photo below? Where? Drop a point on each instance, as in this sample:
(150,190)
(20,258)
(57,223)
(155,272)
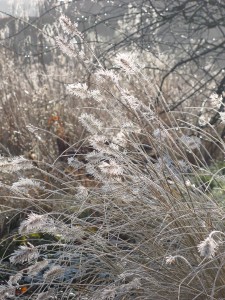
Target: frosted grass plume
(209,246)
(69,27)
(17,163)
(24,254)
(35,223)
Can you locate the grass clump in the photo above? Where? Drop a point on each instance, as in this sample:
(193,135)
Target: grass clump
(144,227)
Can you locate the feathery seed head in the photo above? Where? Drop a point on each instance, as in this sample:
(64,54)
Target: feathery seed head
(208,247)
(69,27)
(127,62)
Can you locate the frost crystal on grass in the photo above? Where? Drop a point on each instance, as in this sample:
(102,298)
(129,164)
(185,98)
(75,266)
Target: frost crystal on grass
(96,95)
(66,47)
(103,75)
(98,142)
(111,168)
(13,280)
(92,124)
(53,272)
(203,120)
(79,89)
(69,27)
(170,260)
(119,139)
(208,247)
(75,163)
(129,126)
(127,62)
(24,254)
(94,157)
(31,128)
(37,267)
(131,101)
(82,192)
(9,165)
(216,100)
(24,184)
(35,223)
